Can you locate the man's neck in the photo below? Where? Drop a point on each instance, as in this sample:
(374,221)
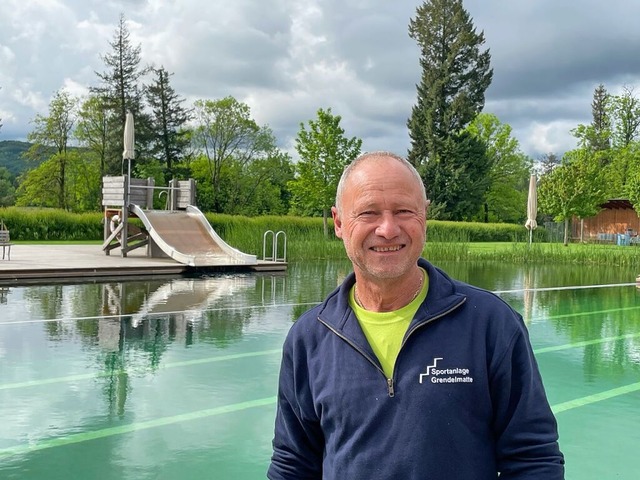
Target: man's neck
(389,295)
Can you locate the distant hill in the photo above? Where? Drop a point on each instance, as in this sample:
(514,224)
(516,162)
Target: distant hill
(11,156)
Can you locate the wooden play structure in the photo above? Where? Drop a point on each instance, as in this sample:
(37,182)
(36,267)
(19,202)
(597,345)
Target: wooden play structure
(180,231)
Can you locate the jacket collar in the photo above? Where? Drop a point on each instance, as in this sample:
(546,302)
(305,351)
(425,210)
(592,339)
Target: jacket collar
(442,297)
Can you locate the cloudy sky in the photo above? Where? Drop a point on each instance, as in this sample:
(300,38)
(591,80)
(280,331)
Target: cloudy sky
(288,58)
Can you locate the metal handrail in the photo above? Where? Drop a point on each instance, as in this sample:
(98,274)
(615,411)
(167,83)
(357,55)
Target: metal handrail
(274,246)
(284,250)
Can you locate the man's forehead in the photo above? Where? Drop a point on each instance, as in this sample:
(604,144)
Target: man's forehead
(381,178)
(373,174)
(392,197)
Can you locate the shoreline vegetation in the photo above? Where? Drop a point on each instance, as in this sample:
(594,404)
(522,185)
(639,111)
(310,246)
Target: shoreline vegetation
(446,241)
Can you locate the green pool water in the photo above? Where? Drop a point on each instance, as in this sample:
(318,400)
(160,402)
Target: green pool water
(176,378)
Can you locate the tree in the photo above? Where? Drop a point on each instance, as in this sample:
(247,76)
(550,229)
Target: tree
(459,186)
(571,189)
(269,185)
(324,152)
(451,92)
(168,117)
(625,117)
(92,129)
(225,133)
(601,123)
(52,134)
(7,189)
(548,162)
(632,187)
(621,169)
(84,182)
(597,136)
(509,174)
(38,187)
(121,91)
(259,187)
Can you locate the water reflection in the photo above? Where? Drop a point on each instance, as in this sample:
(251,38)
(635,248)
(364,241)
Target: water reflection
(90,357)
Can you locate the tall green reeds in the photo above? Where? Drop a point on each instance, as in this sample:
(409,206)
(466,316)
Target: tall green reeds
(42,224)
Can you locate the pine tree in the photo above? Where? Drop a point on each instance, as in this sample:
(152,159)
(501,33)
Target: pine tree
(601,123)
(451,92)
(547,163)
(121,91)
(168,121)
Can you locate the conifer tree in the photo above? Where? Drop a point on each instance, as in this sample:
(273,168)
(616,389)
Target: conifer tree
(547,163)
(168,117)
(120,91)
(451,92)
(601,134)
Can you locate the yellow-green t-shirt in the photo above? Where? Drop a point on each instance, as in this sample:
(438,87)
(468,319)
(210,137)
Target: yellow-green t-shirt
(385,330)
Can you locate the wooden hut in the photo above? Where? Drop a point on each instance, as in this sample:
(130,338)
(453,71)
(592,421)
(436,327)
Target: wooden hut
(616,217)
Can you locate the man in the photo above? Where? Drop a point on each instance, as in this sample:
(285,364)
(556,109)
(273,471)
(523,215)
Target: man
(403,373)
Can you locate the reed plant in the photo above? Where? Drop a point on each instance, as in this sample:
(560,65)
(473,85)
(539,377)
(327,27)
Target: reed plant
(557,253)
(50,224)
(447,244)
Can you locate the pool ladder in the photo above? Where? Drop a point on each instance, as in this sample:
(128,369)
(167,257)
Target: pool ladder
(272,237)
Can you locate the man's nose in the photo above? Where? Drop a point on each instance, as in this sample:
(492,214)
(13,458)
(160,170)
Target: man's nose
(388,226)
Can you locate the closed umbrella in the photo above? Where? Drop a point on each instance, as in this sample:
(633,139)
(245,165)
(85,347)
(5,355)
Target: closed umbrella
(532,208)
(129,142)
(127,154)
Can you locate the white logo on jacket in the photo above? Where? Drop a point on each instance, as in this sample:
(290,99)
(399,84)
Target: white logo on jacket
(446,375)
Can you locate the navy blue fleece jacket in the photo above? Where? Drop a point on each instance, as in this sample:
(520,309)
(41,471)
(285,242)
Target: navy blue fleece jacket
(466,400)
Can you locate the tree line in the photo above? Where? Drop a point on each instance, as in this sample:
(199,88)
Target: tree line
(472,166)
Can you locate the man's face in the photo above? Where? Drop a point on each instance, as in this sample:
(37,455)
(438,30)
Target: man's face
(382,219)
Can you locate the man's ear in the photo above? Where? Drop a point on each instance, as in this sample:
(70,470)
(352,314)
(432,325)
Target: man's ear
(337,223)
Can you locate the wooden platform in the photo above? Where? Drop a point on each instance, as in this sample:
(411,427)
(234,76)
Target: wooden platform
(53,263)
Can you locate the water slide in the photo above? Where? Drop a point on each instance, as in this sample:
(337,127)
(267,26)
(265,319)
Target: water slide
(189,298)
(187,237)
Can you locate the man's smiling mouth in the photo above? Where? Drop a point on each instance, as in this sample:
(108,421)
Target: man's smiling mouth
(394,248)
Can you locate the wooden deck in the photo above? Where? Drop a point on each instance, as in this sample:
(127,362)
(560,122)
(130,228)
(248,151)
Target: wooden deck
(54,263)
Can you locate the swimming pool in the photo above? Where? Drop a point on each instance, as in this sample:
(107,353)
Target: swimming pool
(176,378)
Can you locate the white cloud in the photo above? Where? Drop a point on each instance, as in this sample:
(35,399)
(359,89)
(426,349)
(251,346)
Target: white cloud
(549,137)
(74,88)
(31,99)
(287,59)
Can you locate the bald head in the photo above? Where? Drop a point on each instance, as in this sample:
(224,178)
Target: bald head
(373,157)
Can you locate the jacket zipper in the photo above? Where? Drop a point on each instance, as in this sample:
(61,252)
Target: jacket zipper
(363,353)
(390,383)
(421,324)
